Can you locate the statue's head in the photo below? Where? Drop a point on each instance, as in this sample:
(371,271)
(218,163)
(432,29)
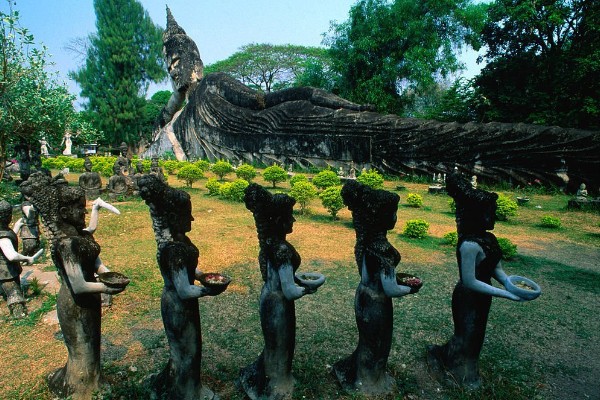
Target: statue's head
(170,205)
(116,169)
(475,208)
(373,210)
(154,162)
(123,149)
(181,56)
(5,213)
(273,214)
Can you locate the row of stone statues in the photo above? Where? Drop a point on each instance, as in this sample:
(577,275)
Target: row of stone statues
(76,256)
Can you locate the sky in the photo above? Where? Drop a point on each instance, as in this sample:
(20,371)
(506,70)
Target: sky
(219,27)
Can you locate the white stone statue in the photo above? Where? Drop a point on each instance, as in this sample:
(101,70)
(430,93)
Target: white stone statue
(67,142)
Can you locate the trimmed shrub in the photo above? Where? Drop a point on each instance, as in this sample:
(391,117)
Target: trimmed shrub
(233,190)
(203,165)
(303,192)
(221,168)
(414,200)
(298,178)
(451,238)
(170,166)
(246,172)
(416,228)
(507,207)
(189,173)
(325,179)
(75,164)
(508,248)
(331,198)
(274,174)
(213,186)
(371,178)
(549,221)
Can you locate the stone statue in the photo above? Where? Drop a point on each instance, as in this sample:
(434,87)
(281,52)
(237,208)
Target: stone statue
(224,119)
(90,181)
(473,181)
(118,184)
(155,169)
(270,376)
(76,256)
(171,212)
(44,146)
(27,227)
(68,143)
(139,172)
(373,214)
(123,161)
(10,264)
(582,193)
(352,174)
(478,255)
(24,159)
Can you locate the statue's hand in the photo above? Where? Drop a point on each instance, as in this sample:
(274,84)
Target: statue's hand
(113,290)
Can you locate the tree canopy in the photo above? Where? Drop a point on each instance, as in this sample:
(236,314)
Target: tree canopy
(270,67)
(543,59)
(32,103)
(123,57)
(388,52)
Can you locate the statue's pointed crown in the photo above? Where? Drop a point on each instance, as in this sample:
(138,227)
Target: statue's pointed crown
(173,27)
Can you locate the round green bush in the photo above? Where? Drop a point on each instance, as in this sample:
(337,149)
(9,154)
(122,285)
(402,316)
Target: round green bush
(233,190)
(414,200)
(274,174)
(246,172)
(371,178)
(189,173)
(203,165)
(298,178)
(170,166)
(213,186)
(549,221)
(221,168)
(507,207)
(325,179)
(451,238)
(508,248)
(331,198)
(416,228)
(303,192)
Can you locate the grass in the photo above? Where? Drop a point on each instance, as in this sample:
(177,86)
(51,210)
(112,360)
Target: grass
(527,345)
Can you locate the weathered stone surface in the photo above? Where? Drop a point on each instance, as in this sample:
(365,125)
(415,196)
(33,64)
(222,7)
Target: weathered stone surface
(307,126)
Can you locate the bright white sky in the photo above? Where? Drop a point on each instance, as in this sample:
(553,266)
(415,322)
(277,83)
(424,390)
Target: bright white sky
(219,27)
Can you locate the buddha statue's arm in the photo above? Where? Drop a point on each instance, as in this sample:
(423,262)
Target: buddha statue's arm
(77,281)
(11,253)
(471,255)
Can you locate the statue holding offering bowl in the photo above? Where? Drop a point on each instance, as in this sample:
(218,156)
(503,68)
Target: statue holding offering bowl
(373,214)
(76,256)
(171,212)
(478,255)
(270,376)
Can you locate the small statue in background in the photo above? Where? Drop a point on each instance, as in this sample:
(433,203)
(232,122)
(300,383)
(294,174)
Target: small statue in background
(76,256)
(582,193)
(473,181)
(90,181)
(373,214)
(10,263)
(270,376)
(117,184)
(27,227)
(171,212)
(155,169)
(68,143)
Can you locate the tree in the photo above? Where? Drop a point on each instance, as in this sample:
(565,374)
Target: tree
(388,51)
(325,179)
(123,57)
(246,172)
(371,178)
(32,104)
(543,58)
(274,174)
(152,110)
(270,67)
(189,174)
(332,200)
(222,168)
(303,192)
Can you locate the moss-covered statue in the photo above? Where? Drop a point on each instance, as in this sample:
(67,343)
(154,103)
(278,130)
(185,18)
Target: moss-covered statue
(270,376)
(76,256)
(478,255)
(171,212)
(373,214)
